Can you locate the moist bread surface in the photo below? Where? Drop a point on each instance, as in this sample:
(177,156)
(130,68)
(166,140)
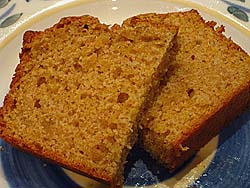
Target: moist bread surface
(206,86)
(80,89)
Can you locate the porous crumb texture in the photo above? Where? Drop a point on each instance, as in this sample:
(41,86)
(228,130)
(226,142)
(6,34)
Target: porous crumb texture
(79,90)
(210,73)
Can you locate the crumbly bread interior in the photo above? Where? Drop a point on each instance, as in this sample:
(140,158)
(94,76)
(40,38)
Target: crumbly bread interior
(208,73)
(79,92)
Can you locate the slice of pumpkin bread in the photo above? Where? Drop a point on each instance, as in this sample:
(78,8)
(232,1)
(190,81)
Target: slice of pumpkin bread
(79,91)
(207,85)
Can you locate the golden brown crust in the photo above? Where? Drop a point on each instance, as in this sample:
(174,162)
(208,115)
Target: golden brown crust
(60,160)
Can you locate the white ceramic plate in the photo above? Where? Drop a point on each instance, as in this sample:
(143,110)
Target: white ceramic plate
(223,163)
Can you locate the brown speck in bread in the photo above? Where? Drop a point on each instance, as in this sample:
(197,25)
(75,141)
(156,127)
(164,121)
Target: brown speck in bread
(112,126)
(75,122)
(198,41)
(86,26)
(37,104)
(117,72)
(190,92)
(77,66)
(41,81)
(122,97)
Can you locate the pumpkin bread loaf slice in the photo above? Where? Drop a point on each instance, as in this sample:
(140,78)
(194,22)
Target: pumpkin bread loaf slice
(207,85)
(79,91)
